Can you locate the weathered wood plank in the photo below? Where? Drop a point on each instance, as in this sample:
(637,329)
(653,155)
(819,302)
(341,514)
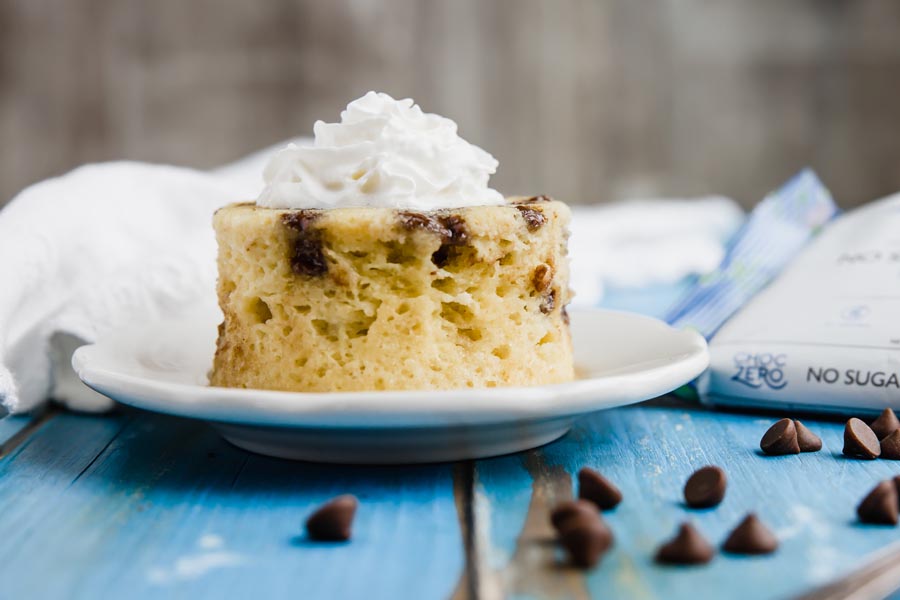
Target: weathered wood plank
(649,451)
(589,100)
(141,506)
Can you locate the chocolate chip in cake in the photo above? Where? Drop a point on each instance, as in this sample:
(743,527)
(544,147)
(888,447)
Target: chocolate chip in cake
(571,509)
(885,424)
(565,315)
(534,199)
(599,490)
(751,537)
(450,228)
(880,505)
(860,441)
(890,446)
(534,218)
(688,547)
(585,539)
(542,277)
(548,302)
(706,487)
(781,438)
(806,439)
(307,256)
(333,520)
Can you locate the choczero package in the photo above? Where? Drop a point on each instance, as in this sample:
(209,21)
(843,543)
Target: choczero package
(825,334)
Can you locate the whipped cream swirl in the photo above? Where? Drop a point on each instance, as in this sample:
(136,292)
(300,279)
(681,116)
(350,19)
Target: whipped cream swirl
(383,153)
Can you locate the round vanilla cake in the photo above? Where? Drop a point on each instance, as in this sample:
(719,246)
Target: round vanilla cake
(378,259)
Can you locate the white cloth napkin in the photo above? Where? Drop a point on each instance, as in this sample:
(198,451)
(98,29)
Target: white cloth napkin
(111,244)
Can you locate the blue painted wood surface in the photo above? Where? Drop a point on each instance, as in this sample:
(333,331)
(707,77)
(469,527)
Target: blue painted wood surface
(809,500)
(145,506)
(9,426)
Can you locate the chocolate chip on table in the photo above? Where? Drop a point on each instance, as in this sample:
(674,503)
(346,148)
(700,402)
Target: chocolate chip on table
(705,487)
(885,424)
(750,537)
(333,520)
(596,488)
(860,441)
(585,539)
(806,439)
(534,218)
(688,547)
(570,509)
(879,507)
(890,446)
(781,438)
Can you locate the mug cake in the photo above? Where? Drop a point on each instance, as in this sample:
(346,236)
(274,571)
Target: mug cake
(378,258)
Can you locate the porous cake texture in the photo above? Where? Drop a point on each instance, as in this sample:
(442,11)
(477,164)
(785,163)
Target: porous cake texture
(352,299)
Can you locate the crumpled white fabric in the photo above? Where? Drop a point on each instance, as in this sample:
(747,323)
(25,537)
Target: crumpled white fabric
(110,244)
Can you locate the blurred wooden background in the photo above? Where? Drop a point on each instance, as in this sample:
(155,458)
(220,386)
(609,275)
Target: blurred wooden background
(589,100)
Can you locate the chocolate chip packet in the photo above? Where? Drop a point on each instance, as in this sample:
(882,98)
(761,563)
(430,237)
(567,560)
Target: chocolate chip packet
(821,335)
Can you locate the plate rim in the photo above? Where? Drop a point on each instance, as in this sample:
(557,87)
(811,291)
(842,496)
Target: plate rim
(405,408)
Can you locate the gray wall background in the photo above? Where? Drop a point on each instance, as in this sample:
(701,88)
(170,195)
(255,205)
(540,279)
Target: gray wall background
(589,100)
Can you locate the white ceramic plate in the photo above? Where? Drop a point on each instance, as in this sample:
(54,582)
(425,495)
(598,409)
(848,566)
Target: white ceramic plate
(622,358)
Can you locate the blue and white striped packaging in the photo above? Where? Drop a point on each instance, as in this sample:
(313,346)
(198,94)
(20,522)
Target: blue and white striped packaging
(777,229)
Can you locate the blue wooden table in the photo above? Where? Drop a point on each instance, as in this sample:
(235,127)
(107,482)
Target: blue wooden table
(137,505)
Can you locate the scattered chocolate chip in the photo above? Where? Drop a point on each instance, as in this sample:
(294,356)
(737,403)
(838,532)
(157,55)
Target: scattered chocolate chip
(885,424)
(548,302)
(585,539)
(890,446)
(688,547)
(534,218)
(860,441)
(781,438)
(307,257)
(595,488)
(572,508)
(880,505)
(333,520)
(542,278)
(751,537)
(705,488)
(806,439)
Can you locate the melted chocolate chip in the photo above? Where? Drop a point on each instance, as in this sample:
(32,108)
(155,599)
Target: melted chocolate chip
(450,228)
(534,218)
(548,302)
(542,278)
(307,257)
(413,220)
